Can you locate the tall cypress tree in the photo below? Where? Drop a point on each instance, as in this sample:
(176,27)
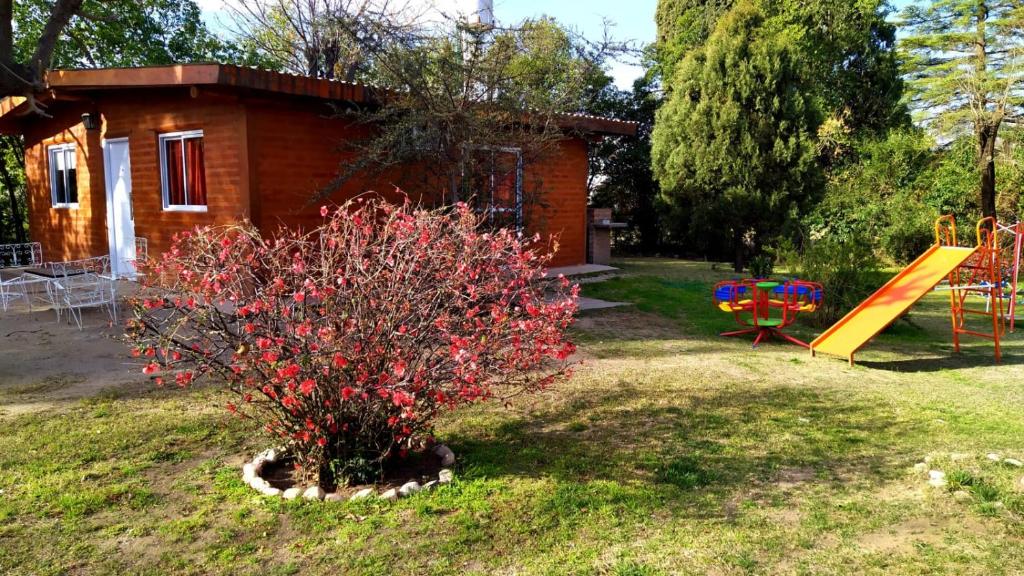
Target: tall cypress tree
(965,60)
(735,134)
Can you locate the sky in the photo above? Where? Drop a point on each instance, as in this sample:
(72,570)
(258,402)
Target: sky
(632,19)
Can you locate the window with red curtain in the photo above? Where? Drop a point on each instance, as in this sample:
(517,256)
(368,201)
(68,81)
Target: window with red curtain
(184,170)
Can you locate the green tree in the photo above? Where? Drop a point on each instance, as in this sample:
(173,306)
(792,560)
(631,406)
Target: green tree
(683,25)
(846,49)
(736,132)
(122,33)
(965,60)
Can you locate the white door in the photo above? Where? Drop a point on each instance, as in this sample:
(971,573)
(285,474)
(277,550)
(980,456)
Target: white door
(120,220)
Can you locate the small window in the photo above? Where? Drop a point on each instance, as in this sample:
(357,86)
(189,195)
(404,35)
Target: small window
(183,171)
(63,176)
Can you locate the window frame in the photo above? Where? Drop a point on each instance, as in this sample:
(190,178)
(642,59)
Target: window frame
(51,168)
(162,140)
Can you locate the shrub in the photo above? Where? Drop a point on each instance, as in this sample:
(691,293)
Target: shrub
(761,265)
(348,341)
(848,271)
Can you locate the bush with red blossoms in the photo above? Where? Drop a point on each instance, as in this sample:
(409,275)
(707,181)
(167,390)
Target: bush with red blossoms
(347,341)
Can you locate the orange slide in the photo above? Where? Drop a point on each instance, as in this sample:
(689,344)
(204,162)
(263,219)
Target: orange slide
(884,306)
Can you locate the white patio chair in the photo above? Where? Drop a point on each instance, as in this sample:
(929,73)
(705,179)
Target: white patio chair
(88,290)
(21,255)
(25,286)
(62,274)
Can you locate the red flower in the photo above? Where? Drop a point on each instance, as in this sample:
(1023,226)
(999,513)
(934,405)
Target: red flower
(340,360)
(299,296)
(151,368)
(307,386)
(323,211)
(347,392)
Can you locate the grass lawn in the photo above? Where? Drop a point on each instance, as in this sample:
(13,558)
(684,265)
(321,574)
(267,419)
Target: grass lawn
(672,451)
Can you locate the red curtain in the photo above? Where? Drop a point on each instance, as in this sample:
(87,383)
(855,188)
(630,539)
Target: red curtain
(196,171)
(175,173)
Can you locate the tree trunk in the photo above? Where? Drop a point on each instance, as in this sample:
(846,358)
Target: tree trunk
(987,134)
(8,182)
(737,242)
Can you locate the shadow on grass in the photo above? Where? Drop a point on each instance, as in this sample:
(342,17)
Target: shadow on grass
(940,363)
(695,453)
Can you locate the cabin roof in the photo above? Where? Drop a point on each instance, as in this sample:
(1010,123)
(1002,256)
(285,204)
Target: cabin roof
(71,84)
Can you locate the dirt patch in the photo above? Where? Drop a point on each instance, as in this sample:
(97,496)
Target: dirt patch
(628,324)
(44,363)
(904,536)
(794,477)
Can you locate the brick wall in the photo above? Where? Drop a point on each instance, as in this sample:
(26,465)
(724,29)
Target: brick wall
(560,209)
(140,116)
(265,159)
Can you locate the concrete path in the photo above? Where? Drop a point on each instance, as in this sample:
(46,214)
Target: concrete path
(580,270)
(595,304)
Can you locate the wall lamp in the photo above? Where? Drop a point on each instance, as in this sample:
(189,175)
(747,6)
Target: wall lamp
(91,120)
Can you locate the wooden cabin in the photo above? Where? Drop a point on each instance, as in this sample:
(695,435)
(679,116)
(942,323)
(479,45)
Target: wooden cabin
(148,152)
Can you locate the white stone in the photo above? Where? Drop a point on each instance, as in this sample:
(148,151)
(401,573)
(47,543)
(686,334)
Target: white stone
(361,495)
(445,476)
(961,495)
(1013,462)
(292,493)
(259,484)
(334,497)
(390,495)
(920,467)
(258,464)
(409,488)
(445,454)
(314,493)
(958,456)
(248,472)
(430,485)
(937,478)
(994,457)
(271,491)
(270,455)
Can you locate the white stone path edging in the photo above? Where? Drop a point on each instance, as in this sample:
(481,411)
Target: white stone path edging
(252,475)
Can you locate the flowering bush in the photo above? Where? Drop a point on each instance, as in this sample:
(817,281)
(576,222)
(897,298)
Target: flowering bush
(349,340)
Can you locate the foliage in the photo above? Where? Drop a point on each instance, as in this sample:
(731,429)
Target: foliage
(684,25)
(349,340)
(761,265)
(620,168)
(736,132)
(880,195)
(13,219)
(846,268)
(116,34)
(846,50)
(458,95)
(966,65)
(321,38)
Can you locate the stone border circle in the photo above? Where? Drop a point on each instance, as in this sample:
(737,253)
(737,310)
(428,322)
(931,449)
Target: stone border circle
(252,475)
